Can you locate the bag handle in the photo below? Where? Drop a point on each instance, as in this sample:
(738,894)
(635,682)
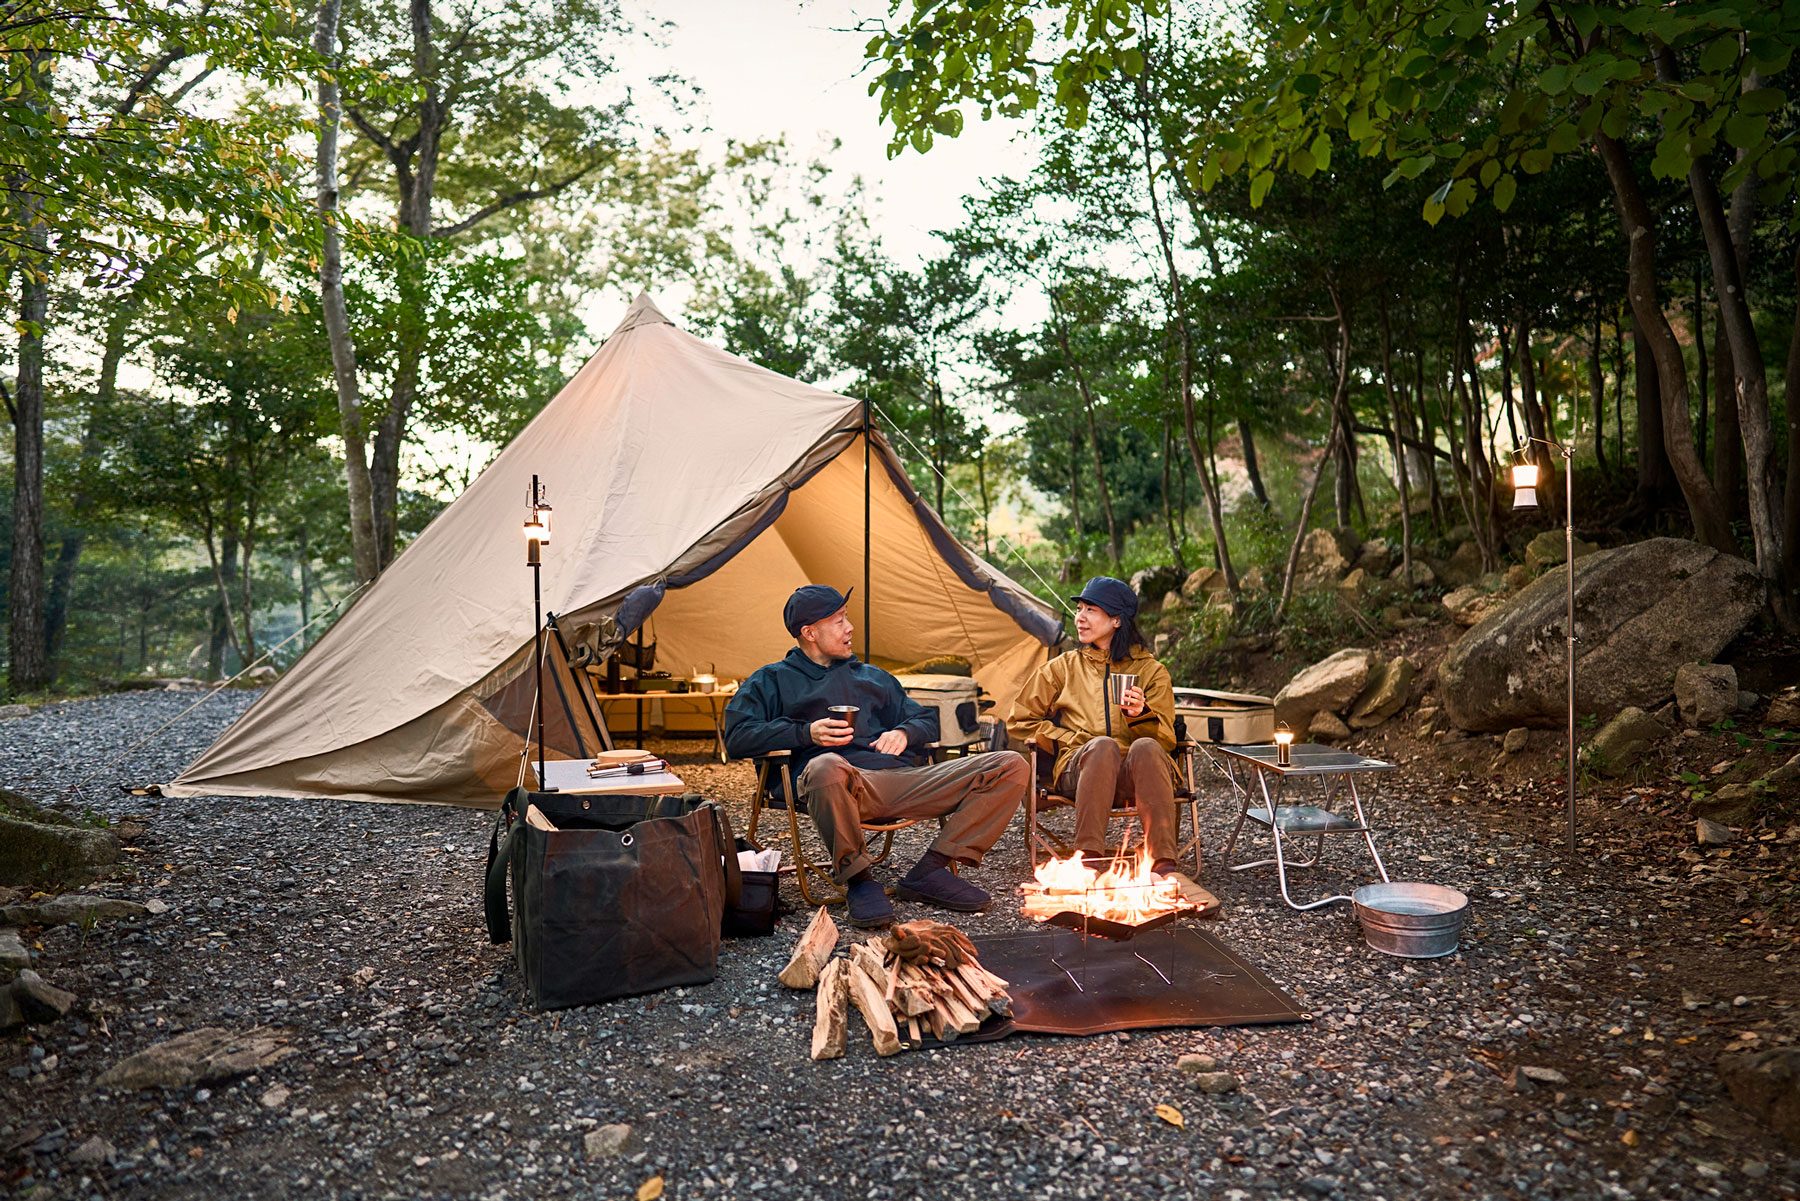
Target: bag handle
(734,879)
(500,849)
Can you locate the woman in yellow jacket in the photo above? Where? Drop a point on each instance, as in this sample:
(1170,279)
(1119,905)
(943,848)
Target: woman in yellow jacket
(1106,749)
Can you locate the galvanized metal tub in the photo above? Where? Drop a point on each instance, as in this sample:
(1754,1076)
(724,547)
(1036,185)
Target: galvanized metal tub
(1413,921)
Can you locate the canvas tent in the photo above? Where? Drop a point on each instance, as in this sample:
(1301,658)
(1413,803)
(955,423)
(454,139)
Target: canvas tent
(692,490)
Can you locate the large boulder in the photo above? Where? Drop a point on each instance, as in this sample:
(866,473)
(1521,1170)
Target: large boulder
(1153,582)
(1470,603)
(1328,686)
(1766,1082)
(1706,693)
(1784,710)
(1624,740)
(1376,557)
(1549,548)
(1385,694)
(1326,555)
(42,854)
(1462,567)
(1203,582)
(1641,611)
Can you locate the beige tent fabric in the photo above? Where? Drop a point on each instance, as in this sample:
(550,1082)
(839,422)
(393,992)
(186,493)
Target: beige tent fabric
(661,456)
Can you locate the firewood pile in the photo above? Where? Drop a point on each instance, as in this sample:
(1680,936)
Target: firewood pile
(919,979)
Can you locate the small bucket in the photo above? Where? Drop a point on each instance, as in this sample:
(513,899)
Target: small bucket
(1413,921)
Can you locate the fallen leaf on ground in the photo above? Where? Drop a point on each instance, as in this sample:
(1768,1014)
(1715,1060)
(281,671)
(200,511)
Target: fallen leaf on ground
(1171,1115)
(651,1189)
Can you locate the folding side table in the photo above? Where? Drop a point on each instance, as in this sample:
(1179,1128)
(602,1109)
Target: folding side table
(1330,774)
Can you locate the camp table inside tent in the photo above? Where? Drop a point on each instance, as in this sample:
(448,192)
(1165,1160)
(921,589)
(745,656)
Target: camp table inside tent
(712,702)
(693,492)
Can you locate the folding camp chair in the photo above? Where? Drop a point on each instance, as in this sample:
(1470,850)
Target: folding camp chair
(775,789)
(1041,797)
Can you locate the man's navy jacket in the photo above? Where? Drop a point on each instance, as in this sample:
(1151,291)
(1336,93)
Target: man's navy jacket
(775,707)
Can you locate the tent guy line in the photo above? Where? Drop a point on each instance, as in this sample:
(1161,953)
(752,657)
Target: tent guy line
(1010,545)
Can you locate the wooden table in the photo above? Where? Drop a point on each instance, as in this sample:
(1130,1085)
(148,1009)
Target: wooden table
(570,775)
(714,702)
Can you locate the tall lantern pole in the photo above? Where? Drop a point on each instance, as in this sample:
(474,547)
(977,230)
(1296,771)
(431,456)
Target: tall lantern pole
(1525,483)
(537,535)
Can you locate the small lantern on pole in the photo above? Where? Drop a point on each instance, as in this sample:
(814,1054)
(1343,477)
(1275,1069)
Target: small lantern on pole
(537,535)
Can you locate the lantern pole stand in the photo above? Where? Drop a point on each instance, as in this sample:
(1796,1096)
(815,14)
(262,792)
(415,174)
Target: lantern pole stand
(1525,497)
(537,532)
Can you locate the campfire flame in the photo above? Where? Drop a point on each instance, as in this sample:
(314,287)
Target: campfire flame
(1124,891)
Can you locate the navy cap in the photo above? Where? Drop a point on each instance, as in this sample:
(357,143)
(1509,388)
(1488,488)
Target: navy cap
(810,603)
(1116,597)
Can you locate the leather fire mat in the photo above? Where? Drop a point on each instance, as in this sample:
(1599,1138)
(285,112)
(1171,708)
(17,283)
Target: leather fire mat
(1117,985)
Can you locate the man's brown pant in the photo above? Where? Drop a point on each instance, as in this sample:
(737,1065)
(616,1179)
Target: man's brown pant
(976,794)
(1102,774)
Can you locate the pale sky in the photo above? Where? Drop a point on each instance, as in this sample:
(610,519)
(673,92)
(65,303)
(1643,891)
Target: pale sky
(793,67)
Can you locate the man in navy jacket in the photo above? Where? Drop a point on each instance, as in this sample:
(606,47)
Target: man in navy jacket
(856,771)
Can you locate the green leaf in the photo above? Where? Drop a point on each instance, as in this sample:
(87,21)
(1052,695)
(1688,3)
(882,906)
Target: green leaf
(1720,54)
(1321,151)
(1307,84)
(1562,139)
(1745,130)
(1504,189)
(1762,100)
(1537,160)
(1259,187)
(1490,171)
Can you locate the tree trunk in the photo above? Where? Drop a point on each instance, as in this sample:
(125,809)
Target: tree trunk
(1704,509)
(1209,489)
(1597,390)
(1727,440)
(1114,542)
(224,631)
(1536,420)
(1655,478)
(365,560)
(1168,499)
(1750,382)
(1701,376)
(1252,467)
(1790,576)
(1401,476)
(1312,491)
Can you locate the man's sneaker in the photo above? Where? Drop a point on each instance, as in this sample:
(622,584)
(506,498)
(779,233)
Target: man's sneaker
(869,904)
(945,890)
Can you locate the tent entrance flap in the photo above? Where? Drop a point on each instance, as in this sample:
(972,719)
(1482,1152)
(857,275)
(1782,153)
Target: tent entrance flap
(921,605)
(571,728)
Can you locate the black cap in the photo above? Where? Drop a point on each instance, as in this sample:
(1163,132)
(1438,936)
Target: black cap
(810,603)
(1114,596)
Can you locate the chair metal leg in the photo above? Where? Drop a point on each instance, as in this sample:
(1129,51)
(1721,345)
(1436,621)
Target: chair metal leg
(803,866)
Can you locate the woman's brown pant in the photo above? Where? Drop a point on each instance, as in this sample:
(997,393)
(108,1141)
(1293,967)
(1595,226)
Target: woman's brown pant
(1104,773)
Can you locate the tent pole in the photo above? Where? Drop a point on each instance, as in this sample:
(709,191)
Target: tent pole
(868,428)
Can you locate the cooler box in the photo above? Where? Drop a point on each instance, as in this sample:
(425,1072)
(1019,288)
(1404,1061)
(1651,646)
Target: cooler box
(957,700)
(1233,718)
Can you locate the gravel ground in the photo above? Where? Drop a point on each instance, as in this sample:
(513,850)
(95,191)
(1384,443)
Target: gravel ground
(357,929)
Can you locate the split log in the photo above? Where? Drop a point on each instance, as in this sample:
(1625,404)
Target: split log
(815,946)
(867,956)
(831,1026)
(869,1001)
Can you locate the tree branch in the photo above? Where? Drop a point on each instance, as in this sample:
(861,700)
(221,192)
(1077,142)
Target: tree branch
(512,200)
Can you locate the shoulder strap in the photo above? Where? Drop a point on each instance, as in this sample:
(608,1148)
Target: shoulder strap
(500,848)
